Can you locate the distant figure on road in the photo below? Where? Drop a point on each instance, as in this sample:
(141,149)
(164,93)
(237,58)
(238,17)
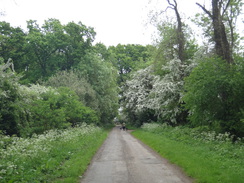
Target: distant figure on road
(123,127)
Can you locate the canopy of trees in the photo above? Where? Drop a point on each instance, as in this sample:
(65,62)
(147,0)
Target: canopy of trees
(53,76)
(197,85)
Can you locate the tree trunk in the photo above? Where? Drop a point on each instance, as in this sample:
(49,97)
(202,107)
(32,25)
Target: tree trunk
(180,37)
(180,34)
(222,46)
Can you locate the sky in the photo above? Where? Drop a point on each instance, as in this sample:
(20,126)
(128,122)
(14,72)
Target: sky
(115,21)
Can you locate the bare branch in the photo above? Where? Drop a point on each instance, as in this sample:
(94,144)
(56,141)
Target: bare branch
(171,3)
(168,8)
(205,10)
(175,3)
(226,7)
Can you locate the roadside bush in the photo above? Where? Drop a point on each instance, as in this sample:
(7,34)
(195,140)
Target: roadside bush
(59,109)
(46,114)
(25,110)
(10,113)
(82,88)
(49,156)
(75,111)
(215,96)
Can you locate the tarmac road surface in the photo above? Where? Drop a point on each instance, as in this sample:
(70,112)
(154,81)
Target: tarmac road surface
(124,159)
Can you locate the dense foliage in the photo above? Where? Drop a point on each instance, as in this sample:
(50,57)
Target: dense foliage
(191,84)
(76,84)
(176,81)
(10,115)
(214,95)
(129,58)
(79,85)
(35,109)
(54,80)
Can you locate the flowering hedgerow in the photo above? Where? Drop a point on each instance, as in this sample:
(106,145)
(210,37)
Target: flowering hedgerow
(221,143)
(206,136)
(24,159)
(205,155)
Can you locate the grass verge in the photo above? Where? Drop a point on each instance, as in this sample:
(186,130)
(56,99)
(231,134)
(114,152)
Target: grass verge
(56,156)
(206,158)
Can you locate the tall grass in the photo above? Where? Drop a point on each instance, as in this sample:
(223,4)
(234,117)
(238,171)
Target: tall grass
(56,156)
(206,156)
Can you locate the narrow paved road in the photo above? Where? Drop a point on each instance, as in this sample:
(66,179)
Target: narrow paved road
(123,159)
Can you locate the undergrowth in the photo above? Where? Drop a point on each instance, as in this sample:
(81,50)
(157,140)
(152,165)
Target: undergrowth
(206,156)
(56,156)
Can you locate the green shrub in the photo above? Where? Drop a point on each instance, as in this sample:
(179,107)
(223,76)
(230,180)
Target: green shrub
(45,115)
(75,111)
(59,109)
(35,109)
(10,113)
(215,95)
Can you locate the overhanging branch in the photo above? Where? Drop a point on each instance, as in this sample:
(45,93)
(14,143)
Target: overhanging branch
(226,7)
(205,10)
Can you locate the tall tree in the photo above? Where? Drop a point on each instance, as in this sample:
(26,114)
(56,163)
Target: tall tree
(175,39)
(129,58)
(222,14)
(102,76)
(79,40)
(180,34)
(56,47)
(44,44)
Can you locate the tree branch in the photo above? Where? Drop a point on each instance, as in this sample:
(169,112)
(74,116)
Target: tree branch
(227,5)
(168,8)
(175,3)
(171,3)
(205,10)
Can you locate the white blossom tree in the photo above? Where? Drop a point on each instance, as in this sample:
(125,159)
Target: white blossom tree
(147,91)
